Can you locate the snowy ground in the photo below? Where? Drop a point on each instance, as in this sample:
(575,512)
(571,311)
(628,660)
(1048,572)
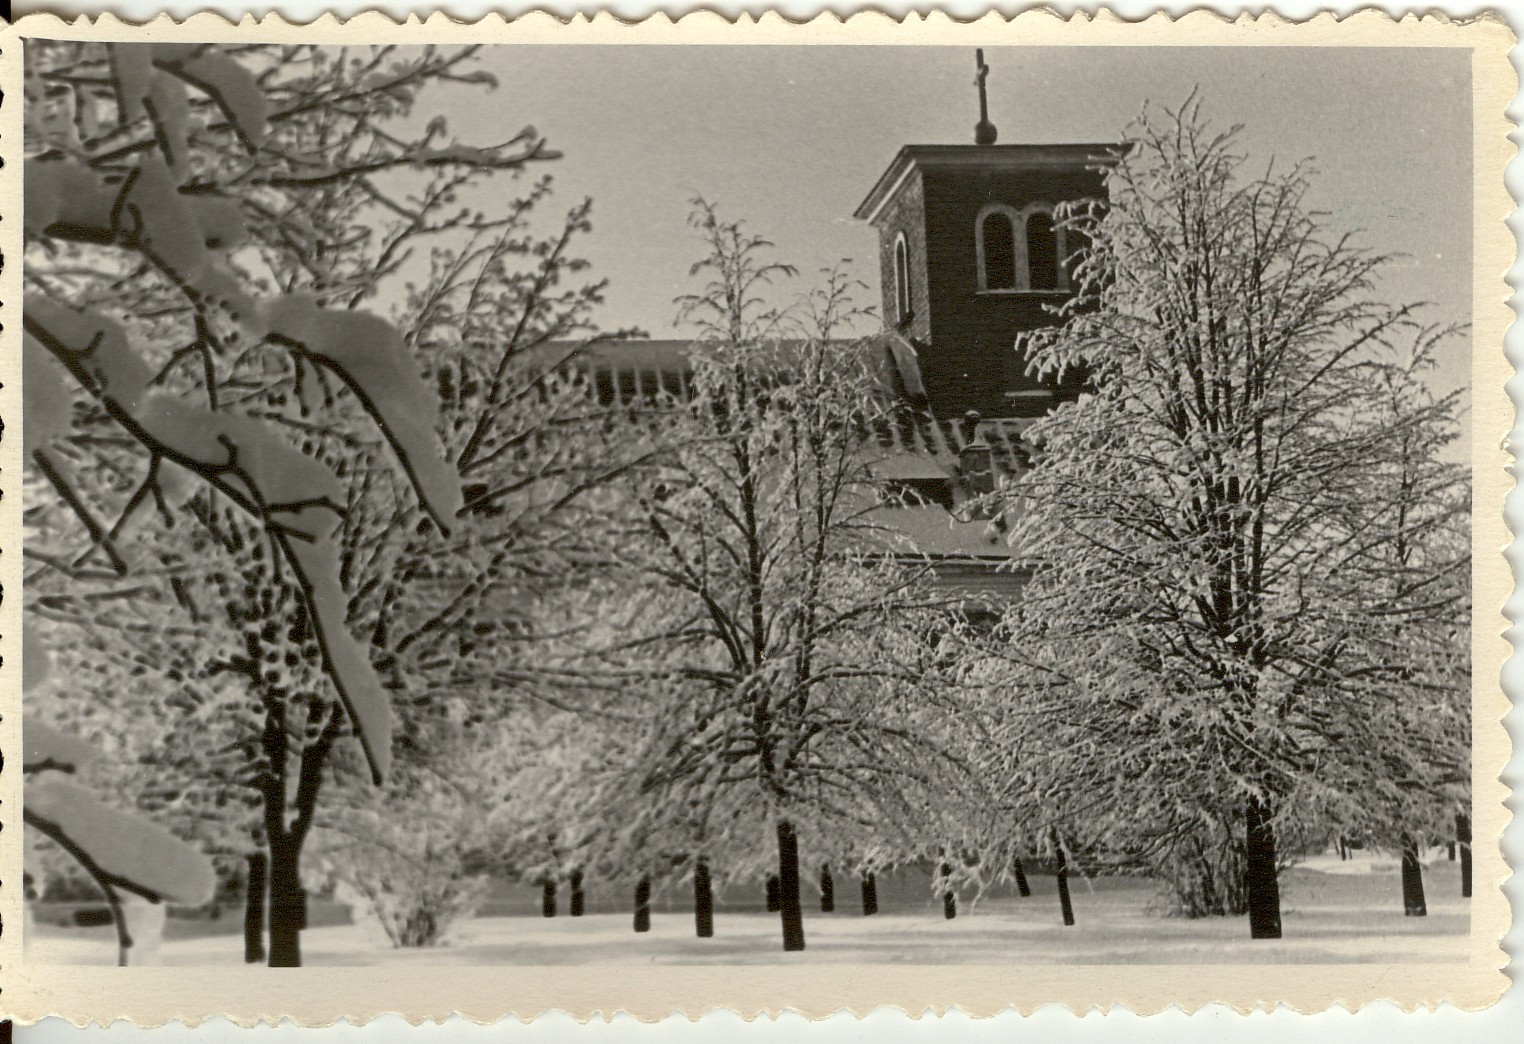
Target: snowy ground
(1332,912)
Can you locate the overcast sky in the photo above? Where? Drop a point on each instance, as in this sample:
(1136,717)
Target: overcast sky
(791,138)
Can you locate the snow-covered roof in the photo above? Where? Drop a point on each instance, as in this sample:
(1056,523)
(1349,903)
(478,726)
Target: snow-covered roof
(909,446)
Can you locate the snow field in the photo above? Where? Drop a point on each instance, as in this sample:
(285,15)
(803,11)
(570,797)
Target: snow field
(1328,918)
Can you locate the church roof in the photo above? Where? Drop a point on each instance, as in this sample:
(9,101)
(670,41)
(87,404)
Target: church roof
(907,447)
(630,373)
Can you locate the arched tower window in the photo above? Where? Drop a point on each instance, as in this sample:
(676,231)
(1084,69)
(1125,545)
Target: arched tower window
(1020,251)
(902,298)
(999,251)
(1042,252)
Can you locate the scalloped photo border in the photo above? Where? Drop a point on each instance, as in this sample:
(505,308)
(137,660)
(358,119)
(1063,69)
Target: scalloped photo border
(322,996)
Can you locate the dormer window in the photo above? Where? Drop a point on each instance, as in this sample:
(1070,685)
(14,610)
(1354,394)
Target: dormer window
(902,298)
(1019,251)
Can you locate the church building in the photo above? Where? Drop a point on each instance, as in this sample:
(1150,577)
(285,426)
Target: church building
(971,256)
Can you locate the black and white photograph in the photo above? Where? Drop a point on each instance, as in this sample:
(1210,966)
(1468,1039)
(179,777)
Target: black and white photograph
(511,505)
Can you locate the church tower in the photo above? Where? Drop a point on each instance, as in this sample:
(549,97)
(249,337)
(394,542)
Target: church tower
(970,255)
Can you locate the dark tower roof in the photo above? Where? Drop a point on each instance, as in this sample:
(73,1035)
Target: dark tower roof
(975,157)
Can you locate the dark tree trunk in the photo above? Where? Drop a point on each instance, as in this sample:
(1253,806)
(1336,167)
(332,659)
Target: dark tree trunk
(949,900)
(1463,842)
(1413,904)
(703,902)
(1343,851)
(870,895)
(288,903)
(254,909)
(774,894)
(1261,888)
(578,900)
(1022,888)
(643,905)
(548,896)
(827,891)
(788,888)
(1065,906)
(1450,851)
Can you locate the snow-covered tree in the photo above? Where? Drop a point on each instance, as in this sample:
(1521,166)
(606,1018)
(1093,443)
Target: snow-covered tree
(212,217)
(471,627)
(1245,622)
(783,671)
(116,849)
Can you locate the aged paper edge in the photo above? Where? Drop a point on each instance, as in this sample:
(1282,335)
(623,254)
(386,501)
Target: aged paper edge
(322,996)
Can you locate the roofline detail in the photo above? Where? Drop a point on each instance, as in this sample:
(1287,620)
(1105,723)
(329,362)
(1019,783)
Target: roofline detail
(1010,157)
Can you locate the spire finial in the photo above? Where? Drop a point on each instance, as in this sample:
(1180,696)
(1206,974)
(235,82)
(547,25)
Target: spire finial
(984,130)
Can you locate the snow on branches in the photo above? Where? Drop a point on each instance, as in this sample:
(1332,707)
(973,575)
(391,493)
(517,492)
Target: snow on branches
(201,224)
(1243,538)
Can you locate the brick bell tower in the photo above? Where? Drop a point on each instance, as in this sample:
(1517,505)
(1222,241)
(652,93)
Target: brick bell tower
(970,255)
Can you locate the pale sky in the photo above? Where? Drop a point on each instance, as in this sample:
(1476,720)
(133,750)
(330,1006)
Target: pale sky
(791,138)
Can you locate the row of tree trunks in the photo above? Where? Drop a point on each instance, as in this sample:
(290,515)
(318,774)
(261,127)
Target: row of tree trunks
(703,896)
(578,900)
(1413,897)
(1412,886)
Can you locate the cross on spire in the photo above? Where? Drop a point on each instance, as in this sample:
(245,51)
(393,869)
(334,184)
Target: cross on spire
(984,130)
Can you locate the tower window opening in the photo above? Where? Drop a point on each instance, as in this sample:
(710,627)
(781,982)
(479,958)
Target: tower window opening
(902,301)
(1020,251)
(1042,252)
(998,238)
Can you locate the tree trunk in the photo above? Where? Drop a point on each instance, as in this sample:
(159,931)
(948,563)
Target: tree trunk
(254,909)
(643,905)
(703,902)
(1463,842)
(774,894)
(827,891)
(949,900)
(1022,888)
(288,903)
(1450,851)
(1260,885)
(870,895)
(1413,904)
(788,888)
(548,896)
(578,900)
(1065,906)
